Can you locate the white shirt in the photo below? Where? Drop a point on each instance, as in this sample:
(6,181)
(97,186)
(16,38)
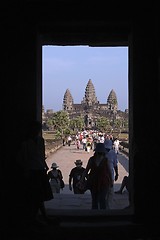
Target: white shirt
(112,160)
(116,143)
(84,140)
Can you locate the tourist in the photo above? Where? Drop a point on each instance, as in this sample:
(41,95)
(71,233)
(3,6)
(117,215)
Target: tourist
(69,140)
(84,140)
(113,164)
(77,142)
(88,145)
(33,167)
(108,141)
(116,145)
(99,177)
(124,184)
(55,178)
(75,176)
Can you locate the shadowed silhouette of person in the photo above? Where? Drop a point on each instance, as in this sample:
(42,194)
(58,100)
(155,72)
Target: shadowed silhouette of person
(125,184)
(55,177)
(74,177)
(33,166)
(99,176)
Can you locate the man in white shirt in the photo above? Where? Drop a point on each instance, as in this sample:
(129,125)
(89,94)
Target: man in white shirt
(84,141)
(69,140)
(116,145)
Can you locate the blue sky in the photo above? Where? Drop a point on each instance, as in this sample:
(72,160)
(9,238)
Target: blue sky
(72,66)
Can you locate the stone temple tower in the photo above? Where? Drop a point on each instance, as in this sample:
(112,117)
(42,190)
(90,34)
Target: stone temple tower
(90,108)
(68,101)
(112,101)
(90,98)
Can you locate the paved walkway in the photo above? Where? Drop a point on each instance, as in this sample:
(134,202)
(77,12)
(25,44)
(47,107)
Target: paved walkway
(66,200)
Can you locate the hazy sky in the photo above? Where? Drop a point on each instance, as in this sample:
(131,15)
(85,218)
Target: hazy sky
(72,66)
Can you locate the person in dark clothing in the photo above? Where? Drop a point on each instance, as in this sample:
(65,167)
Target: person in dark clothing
(125,184)
(33,168)
(55,178)
(99,177)
(75,176)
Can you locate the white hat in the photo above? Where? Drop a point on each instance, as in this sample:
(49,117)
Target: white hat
(54,165)
(77,162)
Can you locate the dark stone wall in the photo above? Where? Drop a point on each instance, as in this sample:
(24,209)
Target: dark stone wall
(28,25)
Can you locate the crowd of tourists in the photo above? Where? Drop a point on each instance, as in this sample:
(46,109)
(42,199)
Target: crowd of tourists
(88,139)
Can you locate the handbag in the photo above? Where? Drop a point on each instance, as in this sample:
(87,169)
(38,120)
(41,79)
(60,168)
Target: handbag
(83,186)
(62,184)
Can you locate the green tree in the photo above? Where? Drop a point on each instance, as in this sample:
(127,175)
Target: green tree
(103,124)
(77,123)
(60,122)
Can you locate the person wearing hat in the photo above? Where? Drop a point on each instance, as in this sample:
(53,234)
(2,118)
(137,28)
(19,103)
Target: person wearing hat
(99,177)
(108,142)
(75,176)
(55,178)
(113,164)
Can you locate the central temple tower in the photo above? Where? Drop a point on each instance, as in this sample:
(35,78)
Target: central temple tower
(90,98)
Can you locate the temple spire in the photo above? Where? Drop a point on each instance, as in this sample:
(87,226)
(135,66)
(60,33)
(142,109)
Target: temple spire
(112,100)
(67,100)
(90,96)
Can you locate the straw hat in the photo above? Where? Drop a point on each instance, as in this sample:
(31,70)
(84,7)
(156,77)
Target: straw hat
(54,165)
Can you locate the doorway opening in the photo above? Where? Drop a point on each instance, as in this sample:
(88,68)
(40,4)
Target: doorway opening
(98,77)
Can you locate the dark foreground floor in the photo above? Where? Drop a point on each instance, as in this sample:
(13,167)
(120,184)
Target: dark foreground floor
(86,229)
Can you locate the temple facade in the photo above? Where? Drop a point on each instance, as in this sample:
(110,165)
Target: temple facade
(90,108)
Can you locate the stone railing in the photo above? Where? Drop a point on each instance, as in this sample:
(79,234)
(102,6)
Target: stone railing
(52,146)
(124,147)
